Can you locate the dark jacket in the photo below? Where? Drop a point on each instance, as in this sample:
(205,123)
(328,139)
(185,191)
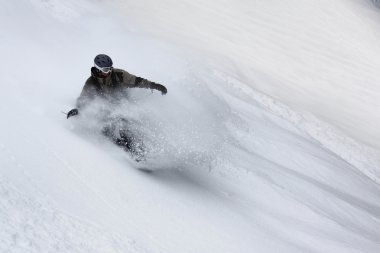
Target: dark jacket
(113,85)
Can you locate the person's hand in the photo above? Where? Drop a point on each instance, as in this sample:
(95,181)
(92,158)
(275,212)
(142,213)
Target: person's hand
(163,90)
(72,112)
(159,87)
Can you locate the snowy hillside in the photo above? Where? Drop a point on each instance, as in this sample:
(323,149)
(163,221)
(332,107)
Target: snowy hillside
(267,140)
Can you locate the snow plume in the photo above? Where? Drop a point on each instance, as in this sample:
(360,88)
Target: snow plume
(183,129)
(279,98)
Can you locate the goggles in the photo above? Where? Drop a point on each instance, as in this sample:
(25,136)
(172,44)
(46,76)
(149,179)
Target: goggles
(104,70)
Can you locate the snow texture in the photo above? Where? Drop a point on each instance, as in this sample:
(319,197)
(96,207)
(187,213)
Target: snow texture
(33,224)
(267,140)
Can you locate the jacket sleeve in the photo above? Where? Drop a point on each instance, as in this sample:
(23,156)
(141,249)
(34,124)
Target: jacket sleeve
(132,81)
(88,93)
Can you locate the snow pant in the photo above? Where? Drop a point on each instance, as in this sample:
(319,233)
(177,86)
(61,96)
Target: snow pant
(119,131)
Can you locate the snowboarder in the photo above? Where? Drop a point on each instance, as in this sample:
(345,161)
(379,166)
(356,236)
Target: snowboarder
(111,84)
(108,82)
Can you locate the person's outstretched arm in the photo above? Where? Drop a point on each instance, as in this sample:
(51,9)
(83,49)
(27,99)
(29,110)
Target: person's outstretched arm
(133,81)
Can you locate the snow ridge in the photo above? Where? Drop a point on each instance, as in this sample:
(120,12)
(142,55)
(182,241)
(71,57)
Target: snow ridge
(364,158)
(245,166)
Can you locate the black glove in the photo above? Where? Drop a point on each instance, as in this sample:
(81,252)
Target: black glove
(72,112)
(161,88)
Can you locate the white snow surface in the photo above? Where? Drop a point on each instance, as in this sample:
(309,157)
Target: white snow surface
(267,141)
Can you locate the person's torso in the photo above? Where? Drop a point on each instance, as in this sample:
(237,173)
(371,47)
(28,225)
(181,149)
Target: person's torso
(110,85)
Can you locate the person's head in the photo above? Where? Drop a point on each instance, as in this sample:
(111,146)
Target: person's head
(103,64)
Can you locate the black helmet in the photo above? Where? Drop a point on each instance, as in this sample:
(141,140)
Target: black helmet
(103,63)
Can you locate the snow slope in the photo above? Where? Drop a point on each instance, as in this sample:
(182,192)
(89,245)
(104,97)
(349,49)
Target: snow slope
(267,140)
